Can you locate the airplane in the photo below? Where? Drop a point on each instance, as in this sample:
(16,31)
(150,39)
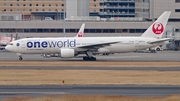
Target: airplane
(69,47)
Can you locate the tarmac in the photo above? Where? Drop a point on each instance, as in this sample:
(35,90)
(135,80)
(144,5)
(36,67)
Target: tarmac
(126,90)
(138,91)
(159,56)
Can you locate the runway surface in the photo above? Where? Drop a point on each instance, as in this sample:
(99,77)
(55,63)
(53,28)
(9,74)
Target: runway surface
(90,68)
(140,91)
(159,56)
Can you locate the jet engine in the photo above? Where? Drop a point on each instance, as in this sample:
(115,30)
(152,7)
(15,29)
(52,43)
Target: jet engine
(67,53)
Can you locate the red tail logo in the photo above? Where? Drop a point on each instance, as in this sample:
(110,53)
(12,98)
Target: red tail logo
(158,28)
(80,34)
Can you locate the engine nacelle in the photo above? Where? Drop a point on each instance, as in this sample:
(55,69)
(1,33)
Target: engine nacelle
(67,53)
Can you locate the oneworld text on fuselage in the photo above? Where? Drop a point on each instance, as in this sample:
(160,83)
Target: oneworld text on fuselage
(52,44)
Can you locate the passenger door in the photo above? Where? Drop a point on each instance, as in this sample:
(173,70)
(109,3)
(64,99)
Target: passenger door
(23,44)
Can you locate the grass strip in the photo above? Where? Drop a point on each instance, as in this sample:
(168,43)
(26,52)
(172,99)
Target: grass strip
(91,64)
(88,77)
(93,98)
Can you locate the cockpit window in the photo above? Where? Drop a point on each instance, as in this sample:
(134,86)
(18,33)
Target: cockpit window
(10,44)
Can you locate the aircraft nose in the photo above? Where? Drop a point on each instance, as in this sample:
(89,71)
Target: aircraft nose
(8,48)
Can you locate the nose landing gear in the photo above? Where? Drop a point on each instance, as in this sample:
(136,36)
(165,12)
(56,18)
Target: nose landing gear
(20,56)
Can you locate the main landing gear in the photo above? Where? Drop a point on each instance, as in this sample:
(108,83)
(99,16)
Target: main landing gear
(89,57)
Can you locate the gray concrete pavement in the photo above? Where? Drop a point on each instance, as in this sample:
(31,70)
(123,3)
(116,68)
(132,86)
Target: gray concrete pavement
(91,68)
(140,91)
(159,56)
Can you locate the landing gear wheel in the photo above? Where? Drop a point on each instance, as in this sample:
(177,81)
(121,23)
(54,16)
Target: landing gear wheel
(85,58)
(158,49)
(20,58)
(89,58)
(94,59)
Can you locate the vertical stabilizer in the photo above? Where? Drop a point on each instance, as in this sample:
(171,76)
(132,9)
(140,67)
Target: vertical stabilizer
(157,29)
(81,31)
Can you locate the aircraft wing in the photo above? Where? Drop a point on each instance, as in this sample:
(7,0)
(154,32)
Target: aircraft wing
(96,46)
(160,40)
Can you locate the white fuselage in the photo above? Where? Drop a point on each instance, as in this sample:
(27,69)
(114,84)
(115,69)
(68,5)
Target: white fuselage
(54,45)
